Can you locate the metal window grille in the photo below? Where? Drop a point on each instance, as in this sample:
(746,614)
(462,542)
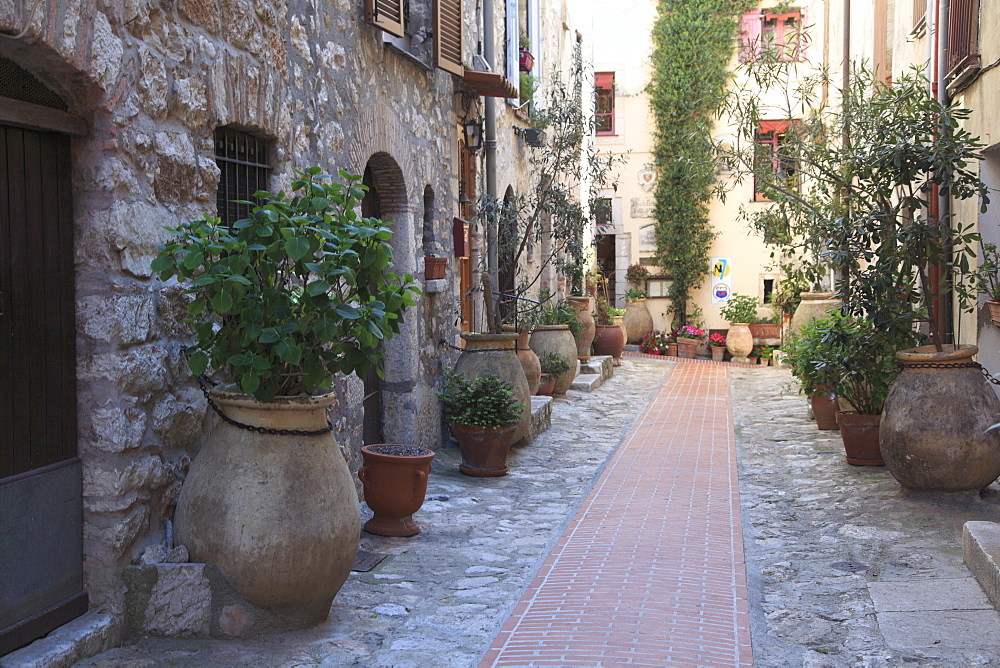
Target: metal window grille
(242,159)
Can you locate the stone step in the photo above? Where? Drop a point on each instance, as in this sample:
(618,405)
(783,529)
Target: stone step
(541,417)
(587,382)
(981,554)
(604,365)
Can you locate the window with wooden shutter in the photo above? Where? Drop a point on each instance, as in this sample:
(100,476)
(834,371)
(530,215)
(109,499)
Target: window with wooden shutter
(385,14)
(448,36)
(963,40)
(604,108)
(512,44)
(750,27)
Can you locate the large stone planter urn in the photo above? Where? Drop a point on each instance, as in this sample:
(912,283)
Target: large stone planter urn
(586,318)
(638,321)
(813,305)
(559,340)
(527,357)
(278,514)
(739,342)
(610,340)
(497,354)
(933,435)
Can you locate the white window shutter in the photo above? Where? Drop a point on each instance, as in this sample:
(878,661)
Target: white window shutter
(513,45)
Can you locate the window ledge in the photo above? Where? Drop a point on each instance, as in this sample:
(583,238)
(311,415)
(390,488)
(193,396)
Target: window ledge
(408,56)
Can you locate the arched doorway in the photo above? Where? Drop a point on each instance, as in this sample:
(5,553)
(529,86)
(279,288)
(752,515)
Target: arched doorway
(41,500)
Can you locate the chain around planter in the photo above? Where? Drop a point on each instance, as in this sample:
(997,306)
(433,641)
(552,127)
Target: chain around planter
(460,349)
(963,365)
(202,380)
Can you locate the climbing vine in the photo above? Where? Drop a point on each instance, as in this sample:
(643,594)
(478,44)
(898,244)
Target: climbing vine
(693,44)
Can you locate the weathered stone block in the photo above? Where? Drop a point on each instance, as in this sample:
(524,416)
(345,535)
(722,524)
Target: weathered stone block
(124,317)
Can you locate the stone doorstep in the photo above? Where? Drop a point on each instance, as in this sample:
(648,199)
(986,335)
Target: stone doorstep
(541,418)
(599,364)
(80,639)
(981,554)
(586,382)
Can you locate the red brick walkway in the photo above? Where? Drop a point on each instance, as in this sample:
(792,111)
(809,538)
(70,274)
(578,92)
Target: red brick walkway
(650,571)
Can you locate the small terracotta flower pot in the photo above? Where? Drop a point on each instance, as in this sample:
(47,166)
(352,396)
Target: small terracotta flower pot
(547,384)
(718,353)
(860,434)
(484,450)
(825,406)
(395,482)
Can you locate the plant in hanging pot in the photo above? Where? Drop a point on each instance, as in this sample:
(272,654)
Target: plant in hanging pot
(281,301)
(483,413)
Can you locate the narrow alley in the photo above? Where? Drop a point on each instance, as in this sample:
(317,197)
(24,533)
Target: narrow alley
(618,538)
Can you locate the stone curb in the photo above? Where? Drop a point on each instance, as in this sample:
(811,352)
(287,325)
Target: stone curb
(981,553)
(80,639)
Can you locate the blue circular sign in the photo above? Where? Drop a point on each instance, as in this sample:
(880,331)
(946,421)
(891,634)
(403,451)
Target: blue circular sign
(722,291)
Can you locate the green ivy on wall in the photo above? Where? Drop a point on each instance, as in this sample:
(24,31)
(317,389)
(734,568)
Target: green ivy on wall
(693,45)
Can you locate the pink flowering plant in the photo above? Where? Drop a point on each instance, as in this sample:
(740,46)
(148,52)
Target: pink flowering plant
(691,332)
(717,340)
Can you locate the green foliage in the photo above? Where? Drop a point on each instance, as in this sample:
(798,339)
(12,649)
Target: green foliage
(693,43)
(294,293)
(739,308)
(987,278)
(553,364)
(486,401)
(633,294)
(787,296)
(558,313)
(604,312)
(636,275)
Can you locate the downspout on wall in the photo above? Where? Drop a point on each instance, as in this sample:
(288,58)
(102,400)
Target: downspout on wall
(490,144)
(947,324)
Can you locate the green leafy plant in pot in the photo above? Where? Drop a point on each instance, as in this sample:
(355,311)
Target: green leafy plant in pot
(552,366)
(802,352)
(282,300)
(483,413)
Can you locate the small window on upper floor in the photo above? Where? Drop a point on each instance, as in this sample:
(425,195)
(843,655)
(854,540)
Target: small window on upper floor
(242,159)
(776,34)
(604,107)
(775,162)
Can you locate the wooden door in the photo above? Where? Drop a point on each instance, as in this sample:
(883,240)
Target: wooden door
(41,537)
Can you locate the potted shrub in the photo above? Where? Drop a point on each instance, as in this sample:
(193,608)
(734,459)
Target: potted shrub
(987,279)
(555,328)
(739,311)
(296,292)
(483,413)
(817,381)
(610,338)
(764,355)
(656,343)
(717,344)
(552,367)
(688,337)
(395,483)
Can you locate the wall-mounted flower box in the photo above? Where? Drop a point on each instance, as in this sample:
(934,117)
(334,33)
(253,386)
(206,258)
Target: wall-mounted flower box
(526,61)
(434,267)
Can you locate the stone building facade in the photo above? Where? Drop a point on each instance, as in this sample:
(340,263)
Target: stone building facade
(143,88)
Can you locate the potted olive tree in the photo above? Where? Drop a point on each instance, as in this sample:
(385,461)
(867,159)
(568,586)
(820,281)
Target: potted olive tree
(483,414)
(281,301)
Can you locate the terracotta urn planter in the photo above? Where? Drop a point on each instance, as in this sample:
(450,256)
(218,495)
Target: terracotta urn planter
(609,340)
(586,318)
(638,322)
(278,514)
(497,354)
(861,440)
(546,385)
(395,482)
(718,353)
(934,425)
(813,305)
(484,450)
(739,342)
(435,267)
(824,407)
(559,340)
(527,357)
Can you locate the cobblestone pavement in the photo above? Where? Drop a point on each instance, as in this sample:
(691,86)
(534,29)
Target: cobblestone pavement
(439,598)
(843,568)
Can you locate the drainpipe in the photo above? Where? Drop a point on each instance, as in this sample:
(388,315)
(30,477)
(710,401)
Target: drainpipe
(490,144)
(944,307)
(845,140)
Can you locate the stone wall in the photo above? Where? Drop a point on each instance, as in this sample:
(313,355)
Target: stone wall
(154,80)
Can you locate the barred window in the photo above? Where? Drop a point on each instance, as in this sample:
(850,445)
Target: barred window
(242,159)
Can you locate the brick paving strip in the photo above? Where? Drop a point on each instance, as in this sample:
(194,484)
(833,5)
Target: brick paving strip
(650,571)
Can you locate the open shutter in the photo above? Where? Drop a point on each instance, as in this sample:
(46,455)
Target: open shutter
(448,36)
(750,27)
(513,43)
(385,14)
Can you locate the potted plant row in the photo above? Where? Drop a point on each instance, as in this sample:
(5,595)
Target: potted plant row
(280,301)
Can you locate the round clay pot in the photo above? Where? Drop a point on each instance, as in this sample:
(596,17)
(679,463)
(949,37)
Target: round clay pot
(609,340)
(278,514)
(686,347)
(860,434)
(559,340)
(546,385)
(739,341)
(395,481)
(934,423)
(718,353)
(527,357)
(813,305)
(638,322)
(824,407)
(586,318)
(497,354)
(484,451)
